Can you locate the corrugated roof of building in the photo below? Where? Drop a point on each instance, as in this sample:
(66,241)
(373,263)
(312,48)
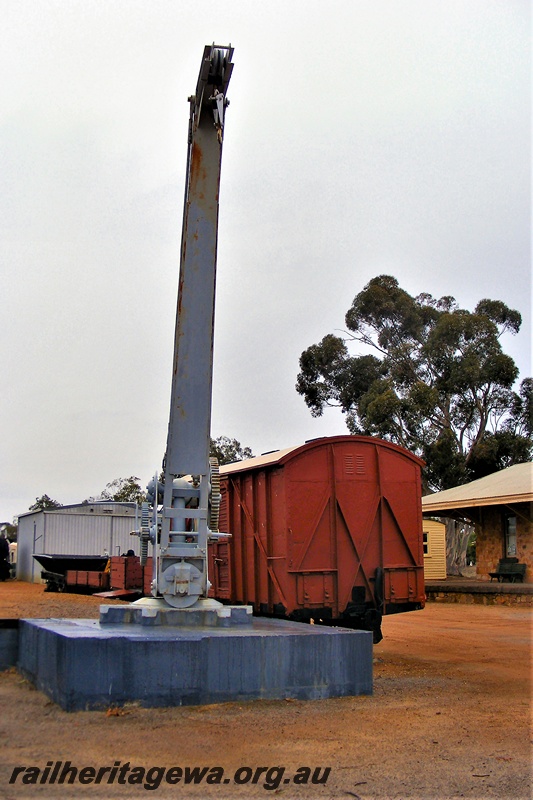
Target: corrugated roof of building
(511,485)
(99,505)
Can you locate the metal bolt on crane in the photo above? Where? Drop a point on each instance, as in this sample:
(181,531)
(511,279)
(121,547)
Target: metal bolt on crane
(180,530)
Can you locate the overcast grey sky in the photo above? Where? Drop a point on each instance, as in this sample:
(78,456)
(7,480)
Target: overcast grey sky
(363,137)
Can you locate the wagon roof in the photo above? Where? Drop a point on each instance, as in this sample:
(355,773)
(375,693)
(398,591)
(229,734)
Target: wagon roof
(283,456)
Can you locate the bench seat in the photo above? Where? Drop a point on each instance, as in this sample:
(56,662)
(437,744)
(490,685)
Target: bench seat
(507,571)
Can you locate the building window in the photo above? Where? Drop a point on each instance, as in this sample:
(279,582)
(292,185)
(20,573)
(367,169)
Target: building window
(425,543)
(510,536)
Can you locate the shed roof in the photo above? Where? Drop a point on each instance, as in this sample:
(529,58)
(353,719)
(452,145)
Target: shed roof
(96,506)
(511,485)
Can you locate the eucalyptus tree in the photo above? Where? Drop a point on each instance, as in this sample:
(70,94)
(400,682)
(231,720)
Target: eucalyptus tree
(427,375)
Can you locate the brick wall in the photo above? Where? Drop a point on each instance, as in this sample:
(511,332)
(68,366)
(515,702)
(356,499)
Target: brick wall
(490,539)
(480,598)
(524,548)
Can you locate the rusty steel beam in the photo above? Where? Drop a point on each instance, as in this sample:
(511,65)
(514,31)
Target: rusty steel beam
(190,409)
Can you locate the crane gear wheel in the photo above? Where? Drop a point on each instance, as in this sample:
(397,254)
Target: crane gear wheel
(216,497)
(145,532)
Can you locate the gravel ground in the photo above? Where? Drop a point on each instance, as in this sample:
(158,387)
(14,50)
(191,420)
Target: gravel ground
(449,718)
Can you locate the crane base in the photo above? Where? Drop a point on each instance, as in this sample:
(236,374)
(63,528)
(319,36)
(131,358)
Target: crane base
(83,664)
(152,612)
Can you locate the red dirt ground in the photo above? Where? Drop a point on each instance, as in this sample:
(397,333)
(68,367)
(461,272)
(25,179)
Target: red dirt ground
(449,718)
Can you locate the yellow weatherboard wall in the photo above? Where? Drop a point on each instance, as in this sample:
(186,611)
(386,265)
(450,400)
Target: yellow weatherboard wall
(434,549)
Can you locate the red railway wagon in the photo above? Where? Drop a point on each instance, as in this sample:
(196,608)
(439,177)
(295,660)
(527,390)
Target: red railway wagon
(329,532)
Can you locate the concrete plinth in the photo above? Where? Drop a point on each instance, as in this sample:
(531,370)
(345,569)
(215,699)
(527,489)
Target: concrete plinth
(83,664)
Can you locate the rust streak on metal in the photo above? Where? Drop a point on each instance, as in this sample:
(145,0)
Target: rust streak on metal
(197,172)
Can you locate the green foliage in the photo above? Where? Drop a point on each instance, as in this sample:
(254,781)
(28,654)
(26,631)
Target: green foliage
(44,502)
(497,451)
(521,411)
(123,490)
(11,532)
(440,384)
(471,548)
(228,450)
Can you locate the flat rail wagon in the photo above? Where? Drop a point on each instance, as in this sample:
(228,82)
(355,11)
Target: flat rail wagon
(329,532)
(62,571)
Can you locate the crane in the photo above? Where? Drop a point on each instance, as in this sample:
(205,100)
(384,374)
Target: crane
(190,493)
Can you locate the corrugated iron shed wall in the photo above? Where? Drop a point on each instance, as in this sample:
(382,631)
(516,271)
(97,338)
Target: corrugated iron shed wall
(30,533)
(89,529)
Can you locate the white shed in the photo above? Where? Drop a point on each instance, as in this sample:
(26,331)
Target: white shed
(88,529)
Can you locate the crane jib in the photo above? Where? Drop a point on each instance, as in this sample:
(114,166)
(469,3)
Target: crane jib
(190,507)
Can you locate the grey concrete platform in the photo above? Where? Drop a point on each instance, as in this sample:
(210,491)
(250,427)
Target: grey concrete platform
(9,642)
(82,664)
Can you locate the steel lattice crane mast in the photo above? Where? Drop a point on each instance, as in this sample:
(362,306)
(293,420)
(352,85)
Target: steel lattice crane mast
(189,514)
